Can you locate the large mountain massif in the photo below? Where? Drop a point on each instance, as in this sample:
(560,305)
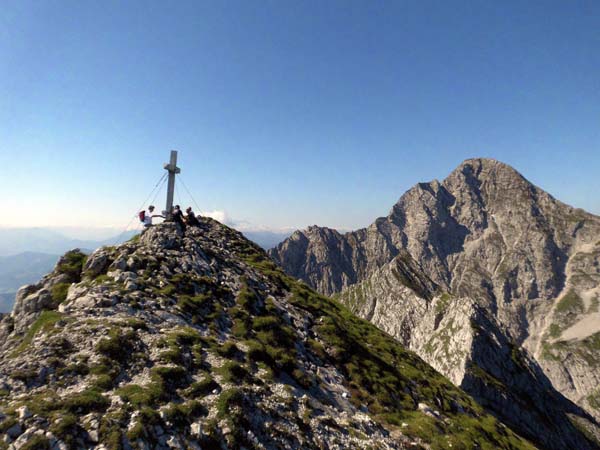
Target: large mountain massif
(488,278)
(199,341)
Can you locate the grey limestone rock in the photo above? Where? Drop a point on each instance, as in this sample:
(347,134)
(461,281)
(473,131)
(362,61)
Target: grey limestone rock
(484,236)
(215,347)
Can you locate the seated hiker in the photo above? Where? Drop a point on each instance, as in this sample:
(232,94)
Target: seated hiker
(191,218)
(146,216)
(177,217)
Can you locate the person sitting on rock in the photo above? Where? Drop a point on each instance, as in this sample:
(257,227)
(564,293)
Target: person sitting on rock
(191,218)
(177,217)
(148,217)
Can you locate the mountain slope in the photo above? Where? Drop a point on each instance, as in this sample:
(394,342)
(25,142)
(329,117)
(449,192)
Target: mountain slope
(199,341)
(485,235)
(460,337)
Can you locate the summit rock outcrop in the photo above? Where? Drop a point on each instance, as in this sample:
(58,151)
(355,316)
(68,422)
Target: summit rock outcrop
(198,340)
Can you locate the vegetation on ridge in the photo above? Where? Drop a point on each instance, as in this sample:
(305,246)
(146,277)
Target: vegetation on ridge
(245,351)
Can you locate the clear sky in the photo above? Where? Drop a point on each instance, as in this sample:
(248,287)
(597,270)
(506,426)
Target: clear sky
(288,113)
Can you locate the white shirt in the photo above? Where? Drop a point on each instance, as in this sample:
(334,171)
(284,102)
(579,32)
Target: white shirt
(148,218)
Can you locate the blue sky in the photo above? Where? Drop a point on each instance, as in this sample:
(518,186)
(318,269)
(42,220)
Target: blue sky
(289,113)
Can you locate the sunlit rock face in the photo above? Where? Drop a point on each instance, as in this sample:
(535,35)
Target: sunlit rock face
(484,236)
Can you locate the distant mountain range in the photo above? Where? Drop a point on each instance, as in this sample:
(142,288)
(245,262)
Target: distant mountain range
(44,240)
(6,302)
(18,270)
(47,240)
(23,268)
(267,239)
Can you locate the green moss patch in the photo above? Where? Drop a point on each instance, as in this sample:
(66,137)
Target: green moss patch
(594,400)
(233,372)
(170,377)
(554,330)
(86,401)
(570,303)
(202,388)
(65,427)
(46,321)
(71,265)
(197,304)
(227,400)
(442,304)
(140,396)
(117,345)
(59,293)
(37,442)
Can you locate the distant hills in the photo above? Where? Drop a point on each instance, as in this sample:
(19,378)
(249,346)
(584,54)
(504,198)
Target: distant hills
(267,239)
(18,270)
(45,240)
(23,268)
(6,302)
(56,242)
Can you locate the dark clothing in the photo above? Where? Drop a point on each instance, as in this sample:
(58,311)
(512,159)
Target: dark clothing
(192,220)
(177,217)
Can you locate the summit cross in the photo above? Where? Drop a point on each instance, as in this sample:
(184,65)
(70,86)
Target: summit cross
(173,170)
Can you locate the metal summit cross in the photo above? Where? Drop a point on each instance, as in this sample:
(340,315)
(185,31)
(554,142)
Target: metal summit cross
(173,170)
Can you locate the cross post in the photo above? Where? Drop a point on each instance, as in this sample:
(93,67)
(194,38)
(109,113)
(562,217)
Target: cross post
(173,170)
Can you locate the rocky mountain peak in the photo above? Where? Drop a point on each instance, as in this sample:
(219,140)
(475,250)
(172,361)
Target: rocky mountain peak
(198,340)
(475,183)
(484,236)
(486,167)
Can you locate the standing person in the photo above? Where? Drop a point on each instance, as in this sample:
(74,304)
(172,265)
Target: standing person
(177,217)
(191,218)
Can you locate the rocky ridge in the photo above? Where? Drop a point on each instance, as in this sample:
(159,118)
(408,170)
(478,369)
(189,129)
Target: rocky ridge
(484,236)
(200,341)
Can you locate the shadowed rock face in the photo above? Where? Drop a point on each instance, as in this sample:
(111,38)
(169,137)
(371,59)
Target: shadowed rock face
(484,235)
(200,341)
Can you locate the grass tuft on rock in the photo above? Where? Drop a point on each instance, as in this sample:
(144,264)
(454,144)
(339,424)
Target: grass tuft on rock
(71,265)
(117,345)
(45,322)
